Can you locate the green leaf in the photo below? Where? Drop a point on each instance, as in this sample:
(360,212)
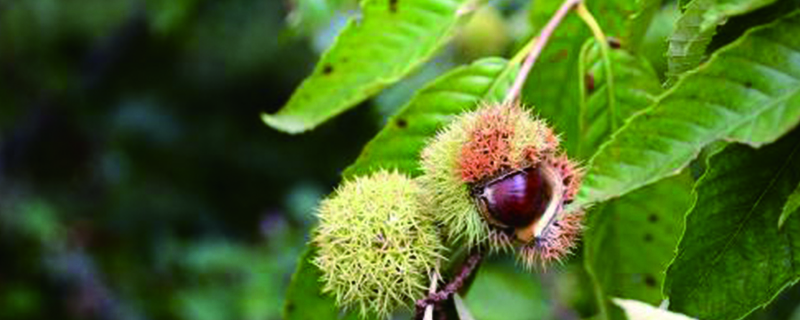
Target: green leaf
(654,46)
(724,9)
(683,3)
(636,87)
(639,22)
(553,86)
(304,299)
(688,42)
(791,206)
(731,259)
(748,91)
(391,39)
(630,241)
(501,291)
(695,28)
(397,146)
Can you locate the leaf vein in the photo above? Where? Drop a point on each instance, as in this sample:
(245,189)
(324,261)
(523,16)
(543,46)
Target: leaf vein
(751,211)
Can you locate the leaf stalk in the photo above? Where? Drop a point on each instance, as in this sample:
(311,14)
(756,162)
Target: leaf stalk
(590,21)
(537,45)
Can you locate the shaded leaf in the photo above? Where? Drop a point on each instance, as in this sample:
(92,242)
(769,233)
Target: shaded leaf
(397,146)
(552,88)
(501,291)
(391,39)
(654,46)
(637,310)
(732,259)
(639,22)
(736,26)
(695,28)
(687,44)
(791,206)
(683,3)
(636,87)
(724,9)
(751,86)
(304,299)
(630,241)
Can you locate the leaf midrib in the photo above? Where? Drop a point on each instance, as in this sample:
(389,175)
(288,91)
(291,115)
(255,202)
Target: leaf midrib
(776,100)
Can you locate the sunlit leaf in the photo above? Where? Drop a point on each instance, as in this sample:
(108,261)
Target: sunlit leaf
(390,39)
(749,91)
(683,3)
(695,28)
(397,146)
(724,9)
(732,259)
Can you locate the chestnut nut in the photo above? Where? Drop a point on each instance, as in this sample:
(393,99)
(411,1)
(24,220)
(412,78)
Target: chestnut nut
(517,199)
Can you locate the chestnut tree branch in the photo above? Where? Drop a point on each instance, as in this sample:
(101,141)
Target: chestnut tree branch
(539,43)
(435,299)
(429,308)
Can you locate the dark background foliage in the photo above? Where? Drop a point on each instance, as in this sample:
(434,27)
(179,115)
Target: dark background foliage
(136,178)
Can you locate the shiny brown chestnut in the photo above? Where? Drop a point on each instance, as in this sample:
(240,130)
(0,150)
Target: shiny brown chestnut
(517,199)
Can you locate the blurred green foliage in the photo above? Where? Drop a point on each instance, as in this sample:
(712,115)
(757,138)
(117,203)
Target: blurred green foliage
(138,182)
(136,179)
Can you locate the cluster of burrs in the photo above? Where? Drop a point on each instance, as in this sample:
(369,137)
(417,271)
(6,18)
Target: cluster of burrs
(493,178)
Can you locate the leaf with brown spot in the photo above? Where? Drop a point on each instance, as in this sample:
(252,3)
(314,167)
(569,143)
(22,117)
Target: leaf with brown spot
(389,40)
(621,264)
(708,104)
(397,146)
